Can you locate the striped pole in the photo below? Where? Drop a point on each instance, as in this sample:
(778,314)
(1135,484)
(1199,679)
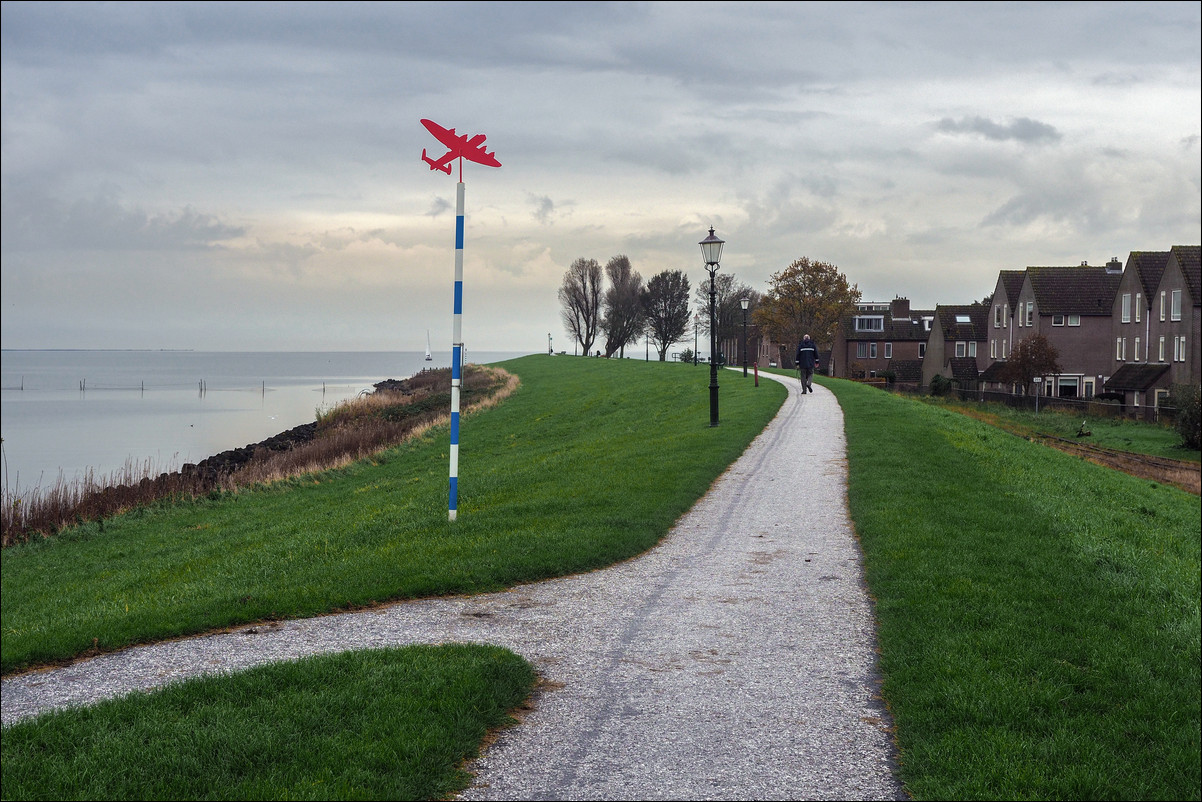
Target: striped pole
(456,353)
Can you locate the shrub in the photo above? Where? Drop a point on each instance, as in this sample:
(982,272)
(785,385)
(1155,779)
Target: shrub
(941,385)
(1187,398)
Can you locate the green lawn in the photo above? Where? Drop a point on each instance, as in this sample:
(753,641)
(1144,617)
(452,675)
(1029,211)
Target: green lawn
(1038,616)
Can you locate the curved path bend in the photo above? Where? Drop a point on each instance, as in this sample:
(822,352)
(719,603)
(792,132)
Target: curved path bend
(735,660)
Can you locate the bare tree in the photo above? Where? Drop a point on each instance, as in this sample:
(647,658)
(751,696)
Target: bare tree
(728,292)
(666,307)
(622,322)
(580,295)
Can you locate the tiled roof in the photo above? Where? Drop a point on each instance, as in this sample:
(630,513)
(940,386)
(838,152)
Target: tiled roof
(1188,258)
(895,329)
(1149,267)
(1135,377)
(906,370)
(1080,290)
(993,373)
(964,368)
(974,329)
(1012,283)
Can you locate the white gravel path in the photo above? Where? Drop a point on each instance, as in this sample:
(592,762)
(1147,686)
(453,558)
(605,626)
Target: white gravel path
(736,660)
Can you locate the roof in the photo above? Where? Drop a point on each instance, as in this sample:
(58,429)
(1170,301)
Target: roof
(1136,376)
(1188,258)
(906,370)
(993,373)
(1149,267)
(955,327)
(1012,283)
(1081,290)
(894,329)
(964,368)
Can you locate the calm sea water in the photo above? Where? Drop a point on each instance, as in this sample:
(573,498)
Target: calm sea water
(75,411)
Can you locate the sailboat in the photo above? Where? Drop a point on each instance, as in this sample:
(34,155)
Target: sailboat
(429,358)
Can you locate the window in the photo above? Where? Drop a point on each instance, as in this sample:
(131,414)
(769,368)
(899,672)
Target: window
(972,349)
(1136,349)
(993,349)
(1003,349)
(1006,316)
(963,319)
(1175,306)
(1137,307)
(1068,386)
(922,350)
(997,316)
(1118,349)
(888,350)
(1179,349)
(870,324)
(1161,357)
(1123,349)
(872,350)
(1162,306)
(961,349)
(1161,397)
(1088,384)
(1074,320)
(1126,307)
(1030,313)
(861,350)
(1057,320)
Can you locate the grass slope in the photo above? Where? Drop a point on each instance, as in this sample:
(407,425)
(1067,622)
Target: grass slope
(1038,615)
(588,463)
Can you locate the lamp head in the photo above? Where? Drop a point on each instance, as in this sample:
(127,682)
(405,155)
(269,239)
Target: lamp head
(711,248)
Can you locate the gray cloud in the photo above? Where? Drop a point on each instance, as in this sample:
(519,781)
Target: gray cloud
(1022,129)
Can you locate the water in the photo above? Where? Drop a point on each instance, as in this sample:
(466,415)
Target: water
(101,411)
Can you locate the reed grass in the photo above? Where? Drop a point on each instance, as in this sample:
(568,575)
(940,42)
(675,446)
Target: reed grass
(351,430)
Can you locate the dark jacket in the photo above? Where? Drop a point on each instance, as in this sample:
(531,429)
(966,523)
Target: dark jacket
(807,355)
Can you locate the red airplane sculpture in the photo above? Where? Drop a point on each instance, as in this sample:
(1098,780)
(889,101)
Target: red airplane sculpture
(458,147)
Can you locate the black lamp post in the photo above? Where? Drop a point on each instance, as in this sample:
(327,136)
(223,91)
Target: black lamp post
(696,323)
(711,254)
(744,302)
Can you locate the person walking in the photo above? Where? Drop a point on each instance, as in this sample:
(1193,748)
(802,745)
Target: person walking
(807,361)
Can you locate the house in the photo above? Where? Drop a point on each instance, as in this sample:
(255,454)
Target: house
(1156,324)
(1005,302)
(880,337)
(956,345)
(1071,307)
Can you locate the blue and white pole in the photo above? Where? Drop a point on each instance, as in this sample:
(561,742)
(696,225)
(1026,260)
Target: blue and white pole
(456,354)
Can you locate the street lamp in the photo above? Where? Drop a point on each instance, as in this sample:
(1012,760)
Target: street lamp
(550,350)
(744,302)
(711,254)
(696,323)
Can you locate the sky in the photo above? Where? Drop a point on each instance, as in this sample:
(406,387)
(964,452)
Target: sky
(248,176)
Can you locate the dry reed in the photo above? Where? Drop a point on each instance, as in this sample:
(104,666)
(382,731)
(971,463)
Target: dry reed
(352,430)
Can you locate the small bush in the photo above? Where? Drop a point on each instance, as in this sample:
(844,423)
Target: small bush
(1187,399)
(941,385)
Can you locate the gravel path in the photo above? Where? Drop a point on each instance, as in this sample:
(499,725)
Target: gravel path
(736,660)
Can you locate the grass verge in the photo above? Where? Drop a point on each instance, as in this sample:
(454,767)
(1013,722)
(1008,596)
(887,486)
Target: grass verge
(1038,616)
(589,462)
(378,724)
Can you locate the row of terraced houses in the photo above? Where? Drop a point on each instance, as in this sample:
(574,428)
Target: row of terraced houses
(1121,332)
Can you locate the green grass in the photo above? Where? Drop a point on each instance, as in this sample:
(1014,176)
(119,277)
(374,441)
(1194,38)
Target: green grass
(1038,615)
(378,724)
(588,463)
(1109,432)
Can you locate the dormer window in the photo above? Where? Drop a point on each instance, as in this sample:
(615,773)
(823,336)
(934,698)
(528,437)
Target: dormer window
(962,319)
(870,324)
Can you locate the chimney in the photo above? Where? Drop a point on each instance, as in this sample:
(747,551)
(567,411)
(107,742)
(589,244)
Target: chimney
(900,308)
(1114,265)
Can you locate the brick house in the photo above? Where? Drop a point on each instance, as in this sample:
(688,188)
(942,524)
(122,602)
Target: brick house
(880,337)
(956,345)
(1002,317)
(1155,325)
(1071,307)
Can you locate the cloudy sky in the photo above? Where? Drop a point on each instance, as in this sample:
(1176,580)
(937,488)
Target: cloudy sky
(247,176)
